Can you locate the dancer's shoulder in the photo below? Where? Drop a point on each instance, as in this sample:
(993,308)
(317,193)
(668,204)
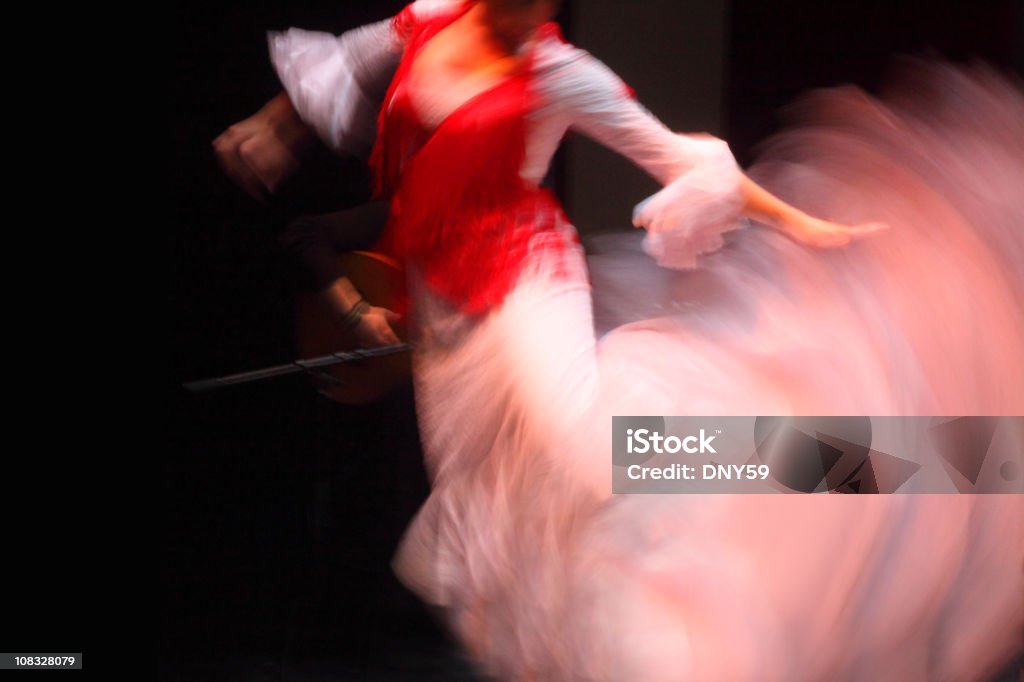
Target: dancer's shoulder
(569,71)
(553,52)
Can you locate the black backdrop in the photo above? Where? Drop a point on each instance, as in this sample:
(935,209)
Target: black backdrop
(280,511)
(783,47)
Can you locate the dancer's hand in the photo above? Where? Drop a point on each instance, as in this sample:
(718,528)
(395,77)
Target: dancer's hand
(824,234)
(264,150)
(375,327)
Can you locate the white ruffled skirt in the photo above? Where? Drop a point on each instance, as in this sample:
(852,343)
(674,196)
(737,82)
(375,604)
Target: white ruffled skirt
(542,572)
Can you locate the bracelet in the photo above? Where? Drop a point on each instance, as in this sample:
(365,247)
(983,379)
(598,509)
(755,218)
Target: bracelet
(355,314)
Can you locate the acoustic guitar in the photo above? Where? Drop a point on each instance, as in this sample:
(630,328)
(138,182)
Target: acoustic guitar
(318,332)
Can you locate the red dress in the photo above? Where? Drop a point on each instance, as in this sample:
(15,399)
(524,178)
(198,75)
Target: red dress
(461,214)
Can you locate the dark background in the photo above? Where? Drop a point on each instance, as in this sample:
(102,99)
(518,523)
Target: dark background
(279,510)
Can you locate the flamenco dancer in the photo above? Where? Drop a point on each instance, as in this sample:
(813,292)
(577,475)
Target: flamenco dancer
(541,572)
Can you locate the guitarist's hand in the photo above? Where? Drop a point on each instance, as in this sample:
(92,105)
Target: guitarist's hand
(374,328)
(264,150)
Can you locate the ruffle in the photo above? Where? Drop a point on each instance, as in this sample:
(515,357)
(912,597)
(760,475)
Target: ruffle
(336,83)
(687,218)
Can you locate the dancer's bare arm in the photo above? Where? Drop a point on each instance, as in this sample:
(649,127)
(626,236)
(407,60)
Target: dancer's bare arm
(761,205)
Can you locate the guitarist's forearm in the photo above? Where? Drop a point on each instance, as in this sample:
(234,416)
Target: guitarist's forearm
(312,243)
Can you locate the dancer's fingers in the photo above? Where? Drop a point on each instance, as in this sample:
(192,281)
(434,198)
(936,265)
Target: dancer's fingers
(868,228)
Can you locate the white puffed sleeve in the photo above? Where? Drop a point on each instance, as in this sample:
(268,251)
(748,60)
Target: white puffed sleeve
(701,198)
(337,83)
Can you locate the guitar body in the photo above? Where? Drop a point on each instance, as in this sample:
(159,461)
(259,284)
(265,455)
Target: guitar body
(318,332)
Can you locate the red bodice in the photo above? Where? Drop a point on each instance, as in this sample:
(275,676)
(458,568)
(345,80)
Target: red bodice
(461,215)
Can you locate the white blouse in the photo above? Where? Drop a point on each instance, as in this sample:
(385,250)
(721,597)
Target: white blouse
(337,84)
